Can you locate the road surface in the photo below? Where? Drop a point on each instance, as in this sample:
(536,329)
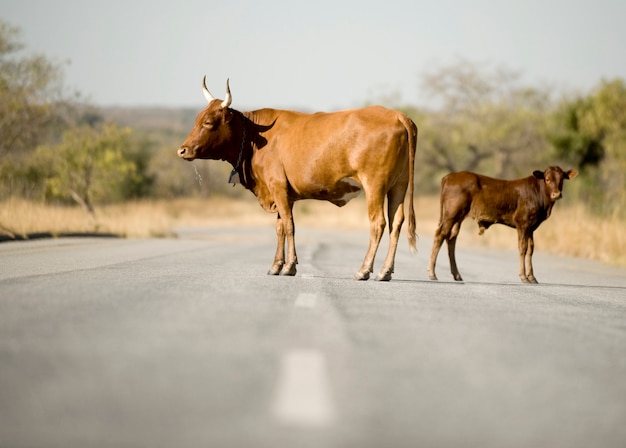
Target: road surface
(187,343)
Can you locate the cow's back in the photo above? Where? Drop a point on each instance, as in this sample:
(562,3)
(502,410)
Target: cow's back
(318,150)
(322,134)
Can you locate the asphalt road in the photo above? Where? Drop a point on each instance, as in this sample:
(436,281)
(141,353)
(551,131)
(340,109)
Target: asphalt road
(187,343)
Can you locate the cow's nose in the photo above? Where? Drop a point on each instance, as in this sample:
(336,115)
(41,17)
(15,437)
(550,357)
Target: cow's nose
(182,151)
(556,195)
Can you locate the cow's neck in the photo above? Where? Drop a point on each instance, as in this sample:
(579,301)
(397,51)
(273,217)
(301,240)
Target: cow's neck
(239,157)
(249,135)
(238,129)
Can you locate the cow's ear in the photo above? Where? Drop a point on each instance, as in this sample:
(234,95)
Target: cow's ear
(571,174)
(228,115)
(538,174)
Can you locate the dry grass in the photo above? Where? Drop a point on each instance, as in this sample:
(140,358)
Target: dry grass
(570,231)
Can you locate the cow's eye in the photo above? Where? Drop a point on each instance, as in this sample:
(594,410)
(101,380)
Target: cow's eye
(547,180)
(208,124)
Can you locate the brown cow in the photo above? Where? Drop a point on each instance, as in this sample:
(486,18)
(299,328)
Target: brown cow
(283,156)
(522,204)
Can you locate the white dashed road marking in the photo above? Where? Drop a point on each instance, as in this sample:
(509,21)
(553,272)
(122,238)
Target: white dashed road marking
(304,397)
(306,300)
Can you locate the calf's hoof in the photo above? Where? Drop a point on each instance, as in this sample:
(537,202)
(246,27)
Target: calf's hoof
(432,276)
(458,278)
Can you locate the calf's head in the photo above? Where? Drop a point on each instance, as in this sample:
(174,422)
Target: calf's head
(212,133)
(553,179)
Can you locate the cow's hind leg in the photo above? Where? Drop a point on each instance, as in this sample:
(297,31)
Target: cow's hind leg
(375,201)
(395,213)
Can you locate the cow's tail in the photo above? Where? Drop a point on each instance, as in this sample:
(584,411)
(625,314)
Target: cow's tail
(412,132)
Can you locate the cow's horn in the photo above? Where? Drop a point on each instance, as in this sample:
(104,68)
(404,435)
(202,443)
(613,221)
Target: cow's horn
(206,92)
(229,99)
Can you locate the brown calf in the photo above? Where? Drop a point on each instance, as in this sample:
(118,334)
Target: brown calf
(522,204)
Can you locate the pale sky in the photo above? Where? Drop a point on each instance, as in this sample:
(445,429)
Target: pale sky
(313,55)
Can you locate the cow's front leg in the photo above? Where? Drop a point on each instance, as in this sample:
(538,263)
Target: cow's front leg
(279,258)
(292,259)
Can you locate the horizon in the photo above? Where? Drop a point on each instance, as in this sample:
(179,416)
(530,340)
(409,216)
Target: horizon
(326,55)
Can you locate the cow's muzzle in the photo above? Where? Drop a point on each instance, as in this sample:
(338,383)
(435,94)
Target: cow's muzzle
(185,153)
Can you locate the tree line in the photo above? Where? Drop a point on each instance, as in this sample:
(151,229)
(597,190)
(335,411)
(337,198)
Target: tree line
(487,120)
(55,147)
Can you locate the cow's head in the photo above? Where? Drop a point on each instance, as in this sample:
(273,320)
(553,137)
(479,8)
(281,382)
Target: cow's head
(212,134)
(553,178)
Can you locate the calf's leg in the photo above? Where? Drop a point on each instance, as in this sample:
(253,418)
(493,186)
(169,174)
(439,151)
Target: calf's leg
(522,242)
(437,242)
(529,259)
(447,230)
(451,241)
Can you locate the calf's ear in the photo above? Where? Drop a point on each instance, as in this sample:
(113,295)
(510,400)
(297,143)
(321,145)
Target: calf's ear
(571,174)
(538,174)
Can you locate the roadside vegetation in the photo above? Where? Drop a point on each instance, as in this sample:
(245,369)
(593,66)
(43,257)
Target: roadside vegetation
(67,166)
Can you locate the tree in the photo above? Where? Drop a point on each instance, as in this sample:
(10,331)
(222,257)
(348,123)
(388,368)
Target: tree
(31,95)
(89,165)
(482,119)
(590,133)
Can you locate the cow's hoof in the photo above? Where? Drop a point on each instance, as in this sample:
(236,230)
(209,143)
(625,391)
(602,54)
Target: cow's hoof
(432,277)
(362,275)
(275,269)
(532,280)
(458,278)
(289,270)
(384,277)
